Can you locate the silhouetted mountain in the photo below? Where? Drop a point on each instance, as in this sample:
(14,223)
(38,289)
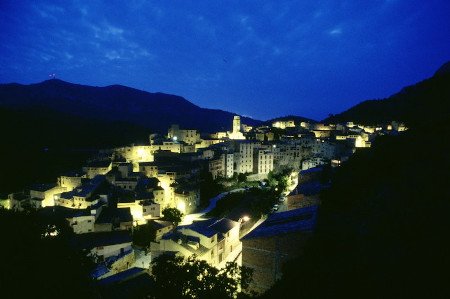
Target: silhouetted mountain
(383,226)
(295,118)
(156,111)
(444,69)
(38,144)
(414,104)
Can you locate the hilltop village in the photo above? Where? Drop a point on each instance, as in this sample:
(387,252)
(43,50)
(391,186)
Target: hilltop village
(118,191)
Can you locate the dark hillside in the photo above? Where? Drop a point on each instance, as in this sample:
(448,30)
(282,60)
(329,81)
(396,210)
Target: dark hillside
(424,101)
(383,228)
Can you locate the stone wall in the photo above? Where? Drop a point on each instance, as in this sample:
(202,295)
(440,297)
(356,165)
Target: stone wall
(266,255)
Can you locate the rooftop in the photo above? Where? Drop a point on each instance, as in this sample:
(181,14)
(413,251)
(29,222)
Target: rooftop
(121,276)
(211,226)
(298,220)
(100,164)
(113,214)
(42,187)
(92,240)
(63,212)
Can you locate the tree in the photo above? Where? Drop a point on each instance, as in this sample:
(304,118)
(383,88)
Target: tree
(144,234)
(177,277)
(209,187)
(54,269)
(173,215)
(242,177)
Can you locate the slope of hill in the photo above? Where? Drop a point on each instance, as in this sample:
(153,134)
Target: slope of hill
(426,100)
(38,144)
(383,228)
(295,118)
(156,111)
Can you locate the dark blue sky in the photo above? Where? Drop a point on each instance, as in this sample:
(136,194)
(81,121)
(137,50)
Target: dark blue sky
(257,58)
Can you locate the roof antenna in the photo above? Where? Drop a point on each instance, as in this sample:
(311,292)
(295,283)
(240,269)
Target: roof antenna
(52,76)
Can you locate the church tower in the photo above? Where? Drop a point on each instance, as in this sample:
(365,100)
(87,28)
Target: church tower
(236,124)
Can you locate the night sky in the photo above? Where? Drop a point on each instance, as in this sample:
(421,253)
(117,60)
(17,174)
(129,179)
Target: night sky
(257,58)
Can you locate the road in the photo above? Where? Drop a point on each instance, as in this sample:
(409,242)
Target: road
(188,219)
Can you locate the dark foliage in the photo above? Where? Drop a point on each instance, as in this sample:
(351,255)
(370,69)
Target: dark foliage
(254,202)
(209,188)
(383,227)
(43,143)
(176,277)
(144,234)
(37,265)
(173,215)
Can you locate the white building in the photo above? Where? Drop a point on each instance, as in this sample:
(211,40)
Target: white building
(215,241)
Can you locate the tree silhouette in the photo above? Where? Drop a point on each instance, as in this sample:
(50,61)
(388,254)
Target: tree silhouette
(173,215)
(177,277)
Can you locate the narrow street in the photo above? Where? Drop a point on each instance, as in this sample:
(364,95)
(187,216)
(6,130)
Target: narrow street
(188,219)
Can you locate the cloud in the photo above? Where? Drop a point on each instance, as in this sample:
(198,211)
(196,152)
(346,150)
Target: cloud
(335,31)
(112,55)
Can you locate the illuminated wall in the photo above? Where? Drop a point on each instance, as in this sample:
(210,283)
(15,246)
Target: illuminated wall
(284,124)
(187,202)
(188,136)
(204,143)
(166,180)
(219,135)
(82,224)
(149,170)
(47,196)
(264,162)
(71,182)
(173,147)
(135,154)
(92,171)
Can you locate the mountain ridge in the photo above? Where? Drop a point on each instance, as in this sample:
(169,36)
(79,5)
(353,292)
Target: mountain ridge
(413,104)
(156,111)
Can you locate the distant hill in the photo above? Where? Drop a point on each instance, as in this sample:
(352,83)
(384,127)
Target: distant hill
(39,144)
(414,104)
(295,118)
(54,126)
(156,111)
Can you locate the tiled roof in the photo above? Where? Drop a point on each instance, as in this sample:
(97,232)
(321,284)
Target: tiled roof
(298,220)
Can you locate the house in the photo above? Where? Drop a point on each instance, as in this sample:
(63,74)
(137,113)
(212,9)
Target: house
(112,218)
(80,220)
(277,240)
(102,245)
(141,204)
(17,201)
(42,195)
(149,169)
(131,283)
(95,168)
(81,197)
(161,228)
(72,180)
(215,240)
